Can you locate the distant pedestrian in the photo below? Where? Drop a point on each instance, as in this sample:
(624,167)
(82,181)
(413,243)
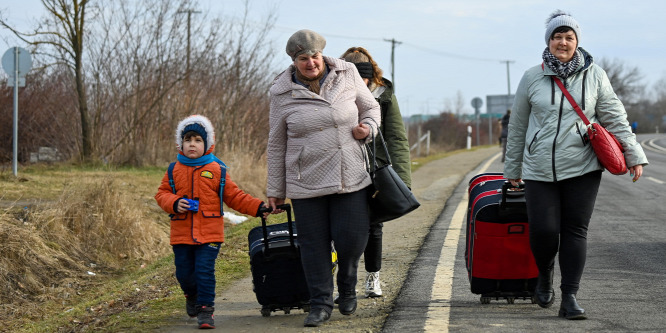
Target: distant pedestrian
(197,228)
(505,132)
(321,114)
(393,131)
(548,147)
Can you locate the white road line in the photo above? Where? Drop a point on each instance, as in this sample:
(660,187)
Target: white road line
(650,144)
(440,298)
(655,180)
(654,145)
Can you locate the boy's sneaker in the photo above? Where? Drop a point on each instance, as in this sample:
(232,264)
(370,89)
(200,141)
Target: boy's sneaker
(372,286)
(191,305)
(205,316)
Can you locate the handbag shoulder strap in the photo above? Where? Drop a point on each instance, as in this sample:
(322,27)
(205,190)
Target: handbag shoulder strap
(374,145)
(570,98)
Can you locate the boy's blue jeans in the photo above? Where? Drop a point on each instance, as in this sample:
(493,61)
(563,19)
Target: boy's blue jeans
(195,270)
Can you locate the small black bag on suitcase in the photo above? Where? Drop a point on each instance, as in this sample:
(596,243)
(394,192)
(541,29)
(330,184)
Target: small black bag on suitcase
(275,261)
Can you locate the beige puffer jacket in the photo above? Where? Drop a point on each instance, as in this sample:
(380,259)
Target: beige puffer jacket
(311,150)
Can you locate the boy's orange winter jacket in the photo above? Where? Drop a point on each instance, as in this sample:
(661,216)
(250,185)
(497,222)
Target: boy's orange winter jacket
(201,182)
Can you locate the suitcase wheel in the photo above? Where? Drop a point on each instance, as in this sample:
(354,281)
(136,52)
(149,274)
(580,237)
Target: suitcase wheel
(485,300)
(510,300)
(534,299)
(265,312)
(306,308)
(286,309)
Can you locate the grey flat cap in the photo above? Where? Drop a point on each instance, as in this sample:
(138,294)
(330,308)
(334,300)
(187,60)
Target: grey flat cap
(305,41)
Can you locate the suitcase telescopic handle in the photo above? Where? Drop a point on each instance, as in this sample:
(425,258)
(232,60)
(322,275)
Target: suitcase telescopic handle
(285,207)
(512,194)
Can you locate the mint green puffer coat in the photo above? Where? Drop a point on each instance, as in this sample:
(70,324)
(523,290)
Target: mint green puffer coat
(546,136)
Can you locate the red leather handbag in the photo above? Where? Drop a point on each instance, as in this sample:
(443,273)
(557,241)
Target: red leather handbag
(609,151)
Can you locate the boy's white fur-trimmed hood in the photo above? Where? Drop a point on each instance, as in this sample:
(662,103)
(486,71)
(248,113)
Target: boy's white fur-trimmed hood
(196,119)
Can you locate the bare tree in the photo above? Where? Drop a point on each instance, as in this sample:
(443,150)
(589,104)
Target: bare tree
(626,80)
(134,54)
(64,30)
(129,86)
(656,111)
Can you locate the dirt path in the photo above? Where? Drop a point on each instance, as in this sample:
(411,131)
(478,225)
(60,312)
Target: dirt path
(237,309)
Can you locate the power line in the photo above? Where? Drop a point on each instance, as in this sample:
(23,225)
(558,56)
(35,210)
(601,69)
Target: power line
(448,54)
(422,48)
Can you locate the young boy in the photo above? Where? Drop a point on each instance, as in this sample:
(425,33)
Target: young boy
(197,232)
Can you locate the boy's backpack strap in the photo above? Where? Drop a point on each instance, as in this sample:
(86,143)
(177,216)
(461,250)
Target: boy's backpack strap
(171,182)
(170,174)
(223,180)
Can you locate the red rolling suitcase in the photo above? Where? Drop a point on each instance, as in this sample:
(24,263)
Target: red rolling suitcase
(497,254)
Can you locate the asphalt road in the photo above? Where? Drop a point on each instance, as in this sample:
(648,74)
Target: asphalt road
(623,288)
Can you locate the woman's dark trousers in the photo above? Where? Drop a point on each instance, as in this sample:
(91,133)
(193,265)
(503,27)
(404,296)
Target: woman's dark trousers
(373,250)
(343,219)
(559,214)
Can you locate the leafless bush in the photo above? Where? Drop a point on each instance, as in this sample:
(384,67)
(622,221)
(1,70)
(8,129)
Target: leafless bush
(446,132)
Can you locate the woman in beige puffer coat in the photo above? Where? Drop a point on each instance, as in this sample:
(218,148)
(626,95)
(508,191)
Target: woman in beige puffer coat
(321,115)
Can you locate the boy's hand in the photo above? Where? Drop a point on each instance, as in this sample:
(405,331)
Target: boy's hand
(264,213)
(183,206)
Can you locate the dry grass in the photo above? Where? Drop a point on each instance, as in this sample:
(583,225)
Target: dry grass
(247,173)
(47,252)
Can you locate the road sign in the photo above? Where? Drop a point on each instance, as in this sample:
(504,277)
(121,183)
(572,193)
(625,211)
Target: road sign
(17,63)
(477,102)
(491,115)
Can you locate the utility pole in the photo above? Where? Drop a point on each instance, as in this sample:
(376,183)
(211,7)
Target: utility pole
(508,79)
(189,13)
(393,43)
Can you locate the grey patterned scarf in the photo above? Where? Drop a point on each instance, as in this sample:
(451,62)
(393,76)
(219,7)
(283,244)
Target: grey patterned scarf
(562,69)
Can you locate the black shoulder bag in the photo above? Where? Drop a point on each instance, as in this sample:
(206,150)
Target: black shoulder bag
(388,196)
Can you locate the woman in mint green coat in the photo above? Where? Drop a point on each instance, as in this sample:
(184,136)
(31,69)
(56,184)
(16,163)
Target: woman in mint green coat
(548,148)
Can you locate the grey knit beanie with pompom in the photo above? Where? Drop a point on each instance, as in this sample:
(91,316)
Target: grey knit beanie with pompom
(559,19)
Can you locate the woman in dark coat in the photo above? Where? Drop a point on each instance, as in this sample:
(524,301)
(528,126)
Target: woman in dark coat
(393,131)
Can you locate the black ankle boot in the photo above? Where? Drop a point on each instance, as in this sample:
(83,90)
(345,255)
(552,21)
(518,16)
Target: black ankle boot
(545,294)
(316,317)
(570,308)
(347,302)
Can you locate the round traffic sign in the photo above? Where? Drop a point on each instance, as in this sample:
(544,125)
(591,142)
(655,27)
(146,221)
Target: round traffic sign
(13,55)
(477,102)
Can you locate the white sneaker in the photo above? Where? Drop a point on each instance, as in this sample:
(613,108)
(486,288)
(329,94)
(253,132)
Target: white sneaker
(372,285)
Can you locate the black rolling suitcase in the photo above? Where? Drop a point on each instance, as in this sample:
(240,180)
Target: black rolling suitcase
(498,255)
(275,261)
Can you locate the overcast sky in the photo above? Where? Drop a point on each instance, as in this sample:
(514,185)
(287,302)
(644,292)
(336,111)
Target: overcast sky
(447,47)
